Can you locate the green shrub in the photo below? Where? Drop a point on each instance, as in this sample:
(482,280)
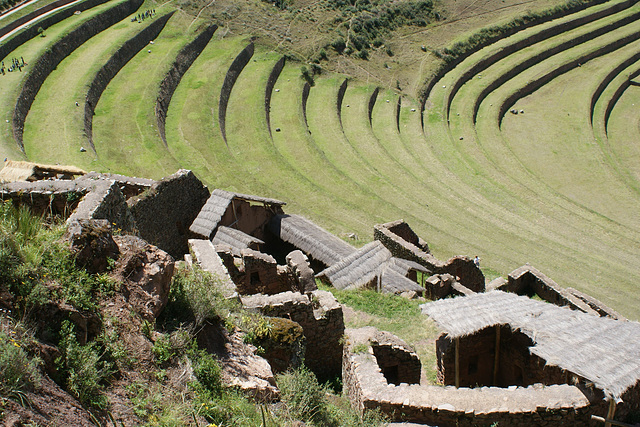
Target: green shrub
(81,368)
(303,397)
(207,371)
(18,372)
(195,295)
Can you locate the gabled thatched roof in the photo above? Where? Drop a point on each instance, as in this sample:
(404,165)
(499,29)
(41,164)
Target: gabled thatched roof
(601,350)
(207,220)
(310,238)
(235,238)
(393,283)
(15,170)
(359,268)
(372,262)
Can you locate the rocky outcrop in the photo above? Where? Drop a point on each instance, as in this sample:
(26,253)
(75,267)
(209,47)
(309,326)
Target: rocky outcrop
(146,272)
(92,244)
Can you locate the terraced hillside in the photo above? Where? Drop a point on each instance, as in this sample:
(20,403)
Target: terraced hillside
(525,151)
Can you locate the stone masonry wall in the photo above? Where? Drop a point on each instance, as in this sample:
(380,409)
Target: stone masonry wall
(320,316)
(118,60)
(169,84)
(56,53)
(367,388)
(164,213)
(462,267)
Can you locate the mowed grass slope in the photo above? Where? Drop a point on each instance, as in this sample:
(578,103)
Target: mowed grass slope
(540,187)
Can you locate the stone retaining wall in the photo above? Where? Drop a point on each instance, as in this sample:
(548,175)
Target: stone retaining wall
(306,89)
(169,84)
(32,15)
(534,85)
(341,91)
(451,65)
(113,66)
(56,53)
(230,78)
(271,82)
(528,63)
(320,316)
(27,34)
(608,79)
(372,103)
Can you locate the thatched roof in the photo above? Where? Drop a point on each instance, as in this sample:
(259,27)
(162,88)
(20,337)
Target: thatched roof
(15,170)
(372,262)
(601,350)
(236,239)
(209,216)
(310,238)
(207,220)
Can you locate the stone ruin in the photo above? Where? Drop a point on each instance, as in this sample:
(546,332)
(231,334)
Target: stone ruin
(264,258)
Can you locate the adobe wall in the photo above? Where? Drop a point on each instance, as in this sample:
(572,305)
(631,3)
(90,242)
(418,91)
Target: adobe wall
(462,267)
(168,86)
(271,82)
(113,66)
(164,213)
(367,388)
(27,34)
(320,316)
(230,78)
(56,53)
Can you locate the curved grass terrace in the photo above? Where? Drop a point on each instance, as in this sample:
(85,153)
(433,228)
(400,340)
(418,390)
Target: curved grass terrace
(556,185)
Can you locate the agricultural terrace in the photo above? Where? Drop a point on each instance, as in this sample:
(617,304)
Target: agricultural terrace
(518,144)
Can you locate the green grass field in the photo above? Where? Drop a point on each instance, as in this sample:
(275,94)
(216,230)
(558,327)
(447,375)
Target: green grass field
(543,186)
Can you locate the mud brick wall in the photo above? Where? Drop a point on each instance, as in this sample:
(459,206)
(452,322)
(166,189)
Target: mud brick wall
(250,218)
(164,213)
(320,316)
